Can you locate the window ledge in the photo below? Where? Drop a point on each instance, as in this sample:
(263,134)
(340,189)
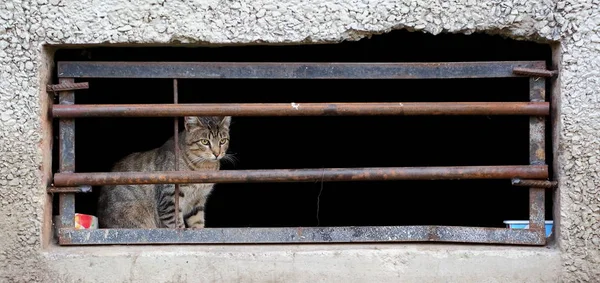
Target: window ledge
(307,263)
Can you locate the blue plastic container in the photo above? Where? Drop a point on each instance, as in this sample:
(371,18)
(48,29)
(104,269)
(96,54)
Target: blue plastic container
(524,224)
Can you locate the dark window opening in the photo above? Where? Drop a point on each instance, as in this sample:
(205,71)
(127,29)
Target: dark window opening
(326,142)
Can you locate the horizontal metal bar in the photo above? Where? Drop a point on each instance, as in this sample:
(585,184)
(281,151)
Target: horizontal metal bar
(78,189)
(534,72)
(64,86)
(534,183)
(302,109)
(302,235)
(302,175)
(284,70)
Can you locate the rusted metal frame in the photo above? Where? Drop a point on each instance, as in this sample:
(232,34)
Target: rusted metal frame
(77,189)
(64,86)
(303,175)
(303,109)
(253,230)
(67,156)
(294,70)
(311,235)
(537,156)
(534,183)
(176,150)
(534,72)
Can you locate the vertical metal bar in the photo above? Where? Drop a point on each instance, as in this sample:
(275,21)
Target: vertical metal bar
(176,140)
(555,128)
(537,154)
(67,156)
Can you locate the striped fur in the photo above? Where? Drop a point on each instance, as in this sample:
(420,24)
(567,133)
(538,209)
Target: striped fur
(203,144)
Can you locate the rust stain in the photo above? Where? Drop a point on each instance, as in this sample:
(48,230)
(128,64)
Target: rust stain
(64,86)
(540,153)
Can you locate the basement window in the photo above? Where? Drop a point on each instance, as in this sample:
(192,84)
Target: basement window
(402,137)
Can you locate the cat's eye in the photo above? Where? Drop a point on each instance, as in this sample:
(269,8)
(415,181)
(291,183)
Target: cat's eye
(204,142)
(223,141)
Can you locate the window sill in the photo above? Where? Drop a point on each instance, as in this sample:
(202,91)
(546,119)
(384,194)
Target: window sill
(307,262)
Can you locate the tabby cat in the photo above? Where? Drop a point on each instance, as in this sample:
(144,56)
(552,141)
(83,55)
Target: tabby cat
(203,144)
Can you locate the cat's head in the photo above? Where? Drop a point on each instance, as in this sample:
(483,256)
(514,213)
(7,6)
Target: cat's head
(207,138)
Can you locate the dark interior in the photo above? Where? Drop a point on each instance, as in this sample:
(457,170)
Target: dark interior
(317,142)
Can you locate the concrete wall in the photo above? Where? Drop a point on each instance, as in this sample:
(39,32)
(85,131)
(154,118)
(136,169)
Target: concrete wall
(25,26)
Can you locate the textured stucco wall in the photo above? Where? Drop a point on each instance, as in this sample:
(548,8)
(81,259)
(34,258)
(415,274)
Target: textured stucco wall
(26,25)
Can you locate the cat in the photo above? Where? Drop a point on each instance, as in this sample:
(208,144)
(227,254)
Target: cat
(203,144)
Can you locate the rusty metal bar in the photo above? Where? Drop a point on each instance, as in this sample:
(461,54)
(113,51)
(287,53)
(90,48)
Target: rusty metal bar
(78,189)
(64,86)
(284,70)
(176,144)
(67,156)
(534,72)
(534,183)
(310,235)
(303,175)
(302,109)
(537,156)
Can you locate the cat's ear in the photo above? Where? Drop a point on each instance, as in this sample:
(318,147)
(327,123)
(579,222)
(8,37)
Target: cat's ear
(191,122)
(226,122)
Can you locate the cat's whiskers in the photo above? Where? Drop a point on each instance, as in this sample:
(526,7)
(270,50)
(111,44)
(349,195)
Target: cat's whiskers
(196,160)
(231,159)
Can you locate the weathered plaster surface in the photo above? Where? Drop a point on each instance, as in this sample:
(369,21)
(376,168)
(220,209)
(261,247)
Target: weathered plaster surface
(309,263)
(26,25)
(580,146)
